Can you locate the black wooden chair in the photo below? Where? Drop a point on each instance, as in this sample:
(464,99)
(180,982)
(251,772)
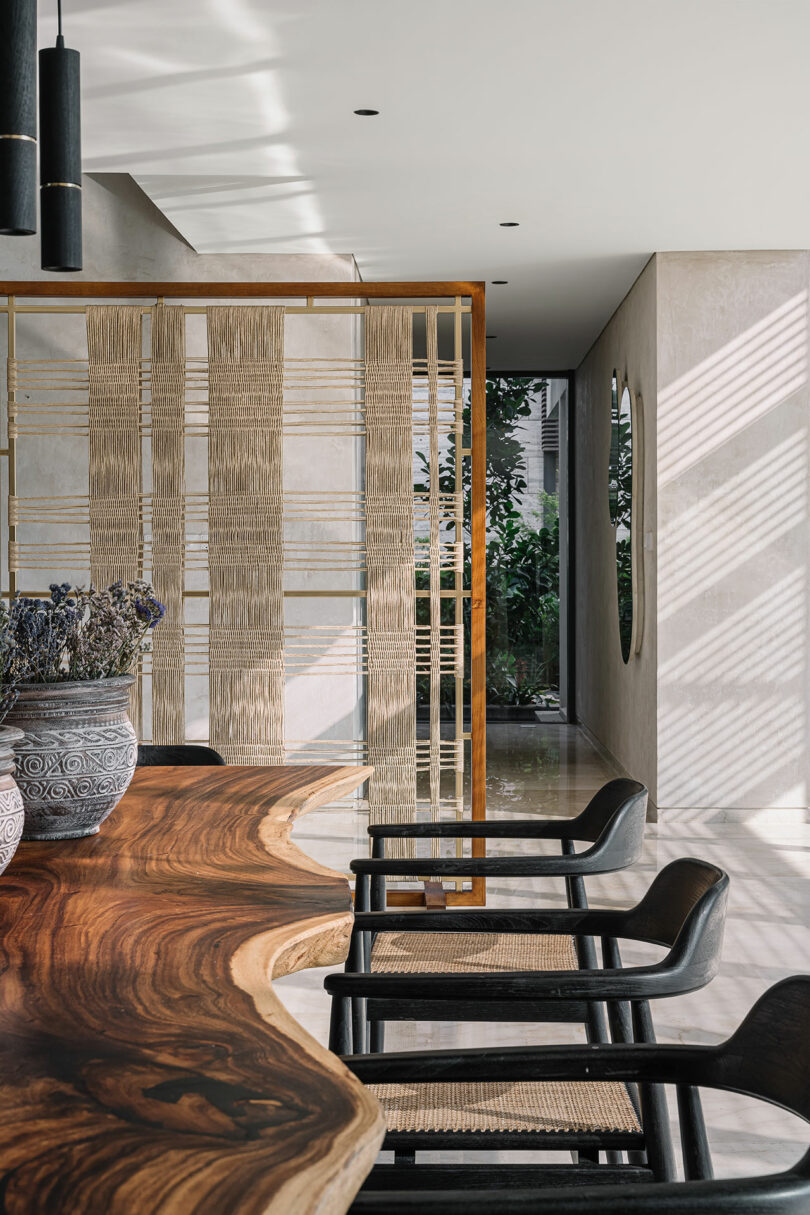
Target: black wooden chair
(612,823)
(768,1058)
(182,755)
(684,910)
(513,965)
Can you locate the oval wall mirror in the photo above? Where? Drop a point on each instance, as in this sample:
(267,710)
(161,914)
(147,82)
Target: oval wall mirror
(620,501)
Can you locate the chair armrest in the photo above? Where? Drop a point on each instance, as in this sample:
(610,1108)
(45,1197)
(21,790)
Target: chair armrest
(636,1063)
(633,983)
(519,828)
(574,923)
(581,863)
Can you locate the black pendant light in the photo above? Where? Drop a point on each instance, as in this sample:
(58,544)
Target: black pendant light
(18,117)
(60,156)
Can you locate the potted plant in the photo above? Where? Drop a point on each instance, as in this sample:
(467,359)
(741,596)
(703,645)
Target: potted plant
(69,659)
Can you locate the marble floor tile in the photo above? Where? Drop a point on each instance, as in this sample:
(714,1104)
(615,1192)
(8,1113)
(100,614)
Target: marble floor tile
(551,769)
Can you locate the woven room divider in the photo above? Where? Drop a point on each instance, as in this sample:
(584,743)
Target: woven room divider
(124,396)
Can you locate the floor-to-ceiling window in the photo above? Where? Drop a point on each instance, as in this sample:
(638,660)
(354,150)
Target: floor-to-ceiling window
(525,659)
(523,544)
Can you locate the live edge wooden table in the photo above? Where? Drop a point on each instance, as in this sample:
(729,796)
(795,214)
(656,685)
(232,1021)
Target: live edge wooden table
(146,1066)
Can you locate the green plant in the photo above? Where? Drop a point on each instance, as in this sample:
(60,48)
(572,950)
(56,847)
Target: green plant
(515,681)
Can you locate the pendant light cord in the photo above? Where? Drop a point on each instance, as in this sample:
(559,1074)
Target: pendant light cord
(59,39)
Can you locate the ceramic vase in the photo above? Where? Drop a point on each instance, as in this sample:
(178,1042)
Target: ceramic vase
(11,803)
(76,755)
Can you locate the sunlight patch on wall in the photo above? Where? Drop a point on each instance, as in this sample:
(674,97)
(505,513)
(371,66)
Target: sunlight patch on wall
(731,389)
(762,639)
(720,530)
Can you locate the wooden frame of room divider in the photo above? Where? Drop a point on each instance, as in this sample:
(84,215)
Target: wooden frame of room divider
(457,292)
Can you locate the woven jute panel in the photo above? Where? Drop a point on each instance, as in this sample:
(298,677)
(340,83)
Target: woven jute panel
(464,952)
(246,533)
(114,468)
(527,1105)
(168,521)
(390,596)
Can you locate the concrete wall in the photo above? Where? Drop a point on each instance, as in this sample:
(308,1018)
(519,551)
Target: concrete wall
(733,477)
(127,238)
(714,711)
(616,702)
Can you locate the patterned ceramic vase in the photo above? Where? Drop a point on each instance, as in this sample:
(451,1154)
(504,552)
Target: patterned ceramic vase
(11,803)
(76,756)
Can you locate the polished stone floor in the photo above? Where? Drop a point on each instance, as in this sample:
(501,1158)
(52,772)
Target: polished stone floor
(551,769)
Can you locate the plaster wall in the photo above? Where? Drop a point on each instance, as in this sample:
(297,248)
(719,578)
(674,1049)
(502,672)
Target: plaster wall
(733,542)
(127,238)
(615,701)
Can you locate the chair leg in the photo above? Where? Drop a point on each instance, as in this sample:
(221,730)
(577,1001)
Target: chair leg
(379,894)
(404,1157)
(377,1037)
(355,965)
(359,1026)
(339,1026)
(574,885)
(654,1112)
(361,897)
(595,1024)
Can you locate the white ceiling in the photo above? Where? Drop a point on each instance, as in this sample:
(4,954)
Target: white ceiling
(607,128)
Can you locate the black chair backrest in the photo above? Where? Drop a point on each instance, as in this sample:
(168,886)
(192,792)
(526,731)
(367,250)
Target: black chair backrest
(769,1055)
(152,756)
(592,821)
(683,902)
(614,820)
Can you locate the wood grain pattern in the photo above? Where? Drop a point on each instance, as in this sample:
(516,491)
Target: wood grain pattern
(73,288)
(145,1063)
(478,545)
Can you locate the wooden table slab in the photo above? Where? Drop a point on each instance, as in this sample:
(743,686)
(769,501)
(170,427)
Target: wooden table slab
(145,1064)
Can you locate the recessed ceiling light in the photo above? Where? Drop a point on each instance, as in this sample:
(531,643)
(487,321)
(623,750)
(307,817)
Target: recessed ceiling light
(367,113)
(499,282)
(509,223)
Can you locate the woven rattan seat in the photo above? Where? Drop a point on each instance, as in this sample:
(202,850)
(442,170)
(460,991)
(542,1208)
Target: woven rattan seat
(528,1105)
(460,952)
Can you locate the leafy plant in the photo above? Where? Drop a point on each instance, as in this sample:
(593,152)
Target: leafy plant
(515,681)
